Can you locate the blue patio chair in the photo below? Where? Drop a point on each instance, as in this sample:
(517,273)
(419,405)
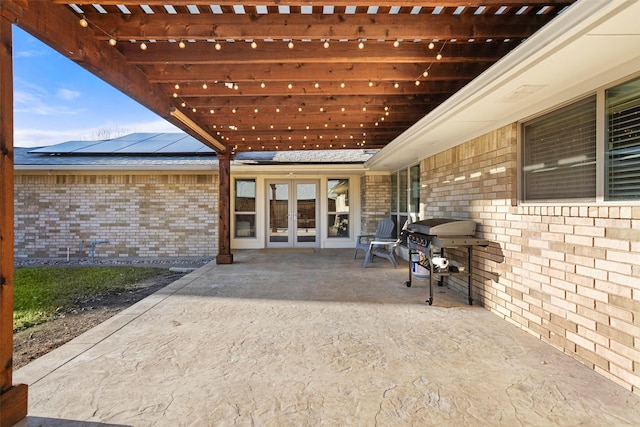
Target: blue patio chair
(384,230)
(385,248)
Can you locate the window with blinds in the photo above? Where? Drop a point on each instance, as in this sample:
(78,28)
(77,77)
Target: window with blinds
(622,152)
(559,154)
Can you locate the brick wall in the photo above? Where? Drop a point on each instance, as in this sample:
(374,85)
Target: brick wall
(375,201)
(154,215)
(570,275)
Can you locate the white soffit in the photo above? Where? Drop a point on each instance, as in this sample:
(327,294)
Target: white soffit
(589,45)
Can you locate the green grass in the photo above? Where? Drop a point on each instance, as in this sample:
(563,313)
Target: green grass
(40,292)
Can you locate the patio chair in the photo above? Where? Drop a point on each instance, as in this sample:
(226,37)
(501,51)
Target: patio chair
(385,248)
(384,230)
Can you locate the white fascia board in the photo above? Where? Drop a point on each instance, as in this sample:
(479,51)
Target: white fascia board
(323,169)
(469,113)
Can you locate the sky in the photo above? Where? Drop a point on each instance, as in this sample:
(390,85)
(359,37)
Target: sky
(56,100)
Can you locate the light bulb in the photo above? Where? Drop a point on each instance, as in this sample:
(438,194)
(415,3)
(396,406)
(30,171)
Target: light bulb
(396,85)
(175,95)
(425,74)
(326,44)
(262,85)
(177,86)
(254,45)
(84,23)
(370,83)
(112,41)
(396,43)
(438,57)
(143,46)
(218,46)
(417,82)
(181,45)
(290,45)
(194,110)
(204,86)
(290,86)
(316,85)
(342,85)
(361,45)
(431,45)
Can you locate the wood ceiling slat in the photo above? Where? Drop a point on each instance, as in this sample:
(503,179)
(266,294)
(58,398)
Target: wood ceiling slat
(344,3)
(313,52)
(351,103)
(305,72)
(353,27)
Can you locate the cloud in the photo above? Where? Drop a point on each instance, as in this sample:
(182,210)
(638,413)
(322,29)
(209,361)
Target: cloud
(68,94)
(43,137)
(29,98)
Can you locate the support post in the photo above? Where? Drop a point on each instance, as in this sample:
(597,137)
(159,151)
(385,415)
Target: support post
(224,210)
(13,398)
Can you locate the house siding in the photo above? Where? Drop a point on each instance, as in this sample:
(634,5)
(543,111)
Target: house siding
(566,274)
(141,215)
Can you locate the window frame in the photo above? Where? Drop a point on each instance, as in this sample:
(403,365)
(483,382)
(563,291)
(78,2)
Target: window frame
(398,215)
(348,213)
(236,212)
(601,119)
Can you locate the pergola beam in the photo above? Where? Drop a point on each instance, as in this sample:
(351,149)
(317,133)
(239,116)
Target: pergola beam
(207,26)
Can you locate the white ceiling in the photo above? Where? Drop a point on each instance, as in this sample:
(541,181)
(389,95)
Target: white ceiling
(591,44)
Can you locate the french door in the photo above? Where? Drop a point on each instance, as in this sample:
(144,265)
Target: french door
(292,217)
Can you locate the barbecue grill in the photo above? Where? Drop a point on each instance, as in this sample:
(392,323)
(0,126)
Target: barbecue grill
(430,237)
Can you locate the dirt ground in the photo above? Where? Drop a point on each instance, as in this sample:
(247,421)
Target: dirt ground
(31,343)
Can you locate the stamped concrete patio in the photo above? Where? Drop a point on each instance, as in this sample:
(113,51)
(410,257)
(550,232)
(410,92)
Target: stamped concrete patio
(311,338)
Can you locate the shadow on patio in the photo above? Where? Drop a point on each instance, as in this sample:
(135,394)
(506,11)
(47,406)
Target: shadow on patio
(308,339)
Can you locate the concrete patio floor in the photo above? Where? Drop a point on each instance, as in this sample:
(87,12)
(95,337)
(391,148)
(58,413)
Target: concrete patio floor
(304,339)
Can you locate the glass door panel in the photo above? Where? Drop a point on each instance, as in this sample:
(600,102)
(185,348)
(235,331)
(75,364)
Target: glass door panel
(306,206)
(293,214)
(279,229)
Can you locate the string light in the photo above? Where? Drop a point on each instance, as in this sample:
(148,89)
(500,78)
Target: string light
(204,85)
(262,85)
(290,45)
(143,46)
(83,22)
(396,43)
(431,45)
(361,45)
(326,44)
(254,45)
(112,41)
(218,46)
(182,45)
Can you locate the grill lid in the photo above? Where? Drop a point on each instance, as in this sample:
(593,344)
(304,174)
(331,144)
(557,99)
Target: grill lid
(444,227)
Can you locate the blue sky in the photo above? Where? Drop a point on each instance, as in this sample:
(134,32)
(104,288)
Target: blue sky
(56,100)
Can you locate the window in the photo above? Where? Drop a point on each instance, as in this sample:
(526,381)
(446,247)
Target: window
(622,141)
(338,207)
(245,208)
(405,196)
(561,151)
(559,154)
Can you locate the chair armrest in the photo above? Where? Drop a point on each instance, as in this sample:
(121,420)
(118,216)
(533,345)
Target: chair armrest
(368,238)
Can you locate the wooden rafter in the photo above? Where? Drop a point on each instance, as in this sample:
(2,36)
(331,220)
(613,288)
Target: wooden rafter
(204,59)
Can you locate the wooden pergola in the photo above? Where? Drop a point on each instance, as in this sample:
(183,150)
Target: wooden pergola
(259,76)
